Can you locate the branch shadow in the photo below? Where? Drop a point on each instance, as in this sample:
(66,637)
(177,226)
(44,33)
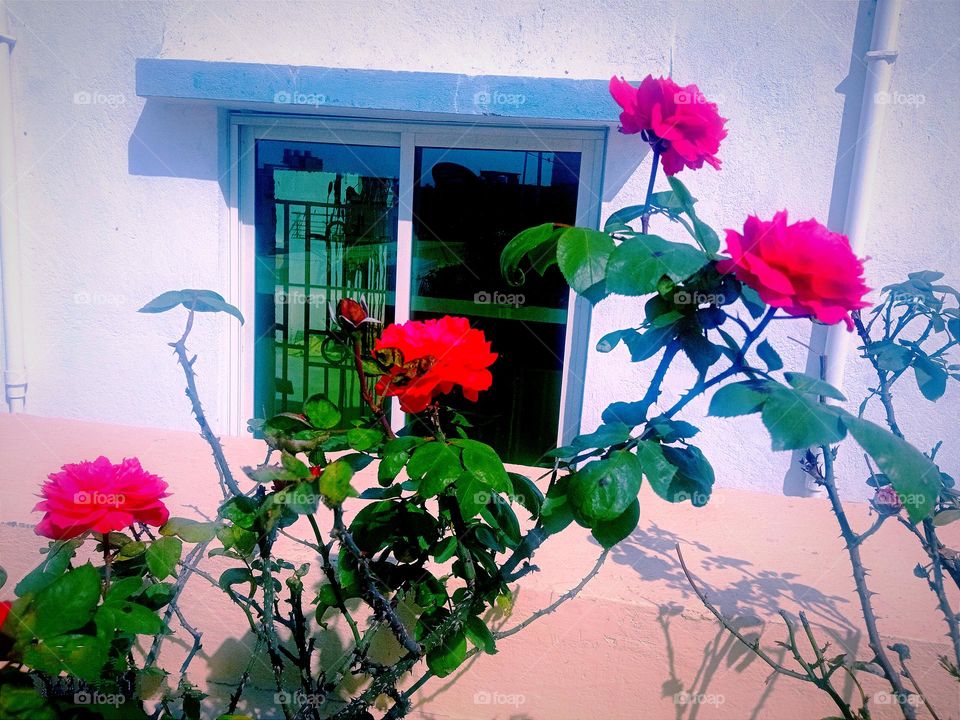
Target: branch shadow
(749,603)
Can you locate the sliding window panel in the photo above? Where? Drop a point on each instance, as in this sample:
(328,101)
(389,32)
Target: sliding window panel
(326,228)
(467,204)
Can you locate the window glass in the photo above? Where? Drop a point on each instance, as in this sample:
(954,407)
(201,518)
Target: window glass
(467,205)
(326,227)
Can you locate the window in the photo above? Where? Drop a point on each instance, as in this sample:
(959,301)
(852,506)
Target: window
(413,217)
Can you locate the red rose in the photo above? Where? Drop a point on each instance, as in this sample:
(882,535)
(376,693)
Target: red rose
(679,121)
(803,268)
(5,606)
(101,497)
(434,357)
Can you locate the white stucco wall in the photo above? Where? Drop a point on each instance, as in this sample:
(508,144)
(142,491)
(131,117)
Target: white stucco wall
(119,203)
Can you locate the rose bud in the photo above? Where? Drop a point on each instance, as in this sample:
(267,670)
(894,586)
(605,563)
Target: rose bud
(887,501)
(351,312)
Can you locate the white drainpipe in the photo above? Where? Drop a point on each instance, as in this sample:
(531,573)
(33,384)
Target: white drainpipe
(876,97)
(15,370)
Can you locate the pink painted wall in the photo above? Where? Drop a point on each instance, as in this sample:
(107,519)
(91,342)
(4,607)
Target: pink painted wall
(635,636)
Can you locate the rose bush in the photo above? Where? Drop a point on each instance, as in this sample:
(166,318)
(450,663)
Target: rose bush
(423,562)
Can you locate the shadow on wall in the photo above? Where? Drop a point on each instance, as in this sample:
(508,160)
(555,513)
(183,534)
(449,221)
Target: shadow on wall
(748,602)
(176,140)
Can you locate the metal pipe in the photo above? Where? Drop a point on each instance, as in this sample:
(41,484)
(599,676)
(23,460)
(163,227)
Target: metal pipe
(876,96)
(15,370)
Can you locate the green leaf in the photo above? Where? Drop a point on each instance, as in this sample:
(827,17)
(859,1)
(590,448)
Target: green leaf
(912,474)
(190,531)
(479,634)
(797,422)
(603,489)
(445,549)
(812,386)
(364,438)
(658,471)
(769,356)
(472,494)
(237,576)
(609,532)
(669,430)
(931,378)
(80,655)
(435,464)
(483,461)
(163,556)
(335,484)
(538,243)
(67,603)
(321,412)
(736,399)
(582,255)
(637,264)
(242,511)
(131,618)
(390,466)
(604,436)
(3,577)
(448,654)
(693,479)
(236,538)
(527,494)
(555,515)
(52,566)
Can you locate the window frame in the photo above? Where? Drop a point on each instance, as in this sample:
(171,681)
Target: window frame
(246,128)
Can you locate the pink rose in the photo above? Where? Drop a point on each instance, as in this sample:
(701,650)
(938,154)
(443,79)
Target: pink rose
(101,497)
(679,121)
(803,268)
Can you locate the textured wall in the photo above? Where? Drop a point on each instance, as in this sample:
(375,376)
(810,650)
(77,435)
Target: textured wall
(120,201)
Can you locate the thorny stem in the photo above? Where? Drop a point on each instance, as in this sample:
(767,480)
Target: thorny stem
(377,601)
(928,541)
(569,595)
(827,479)
(223,468)
(645,218)
(365,390)
(329,571)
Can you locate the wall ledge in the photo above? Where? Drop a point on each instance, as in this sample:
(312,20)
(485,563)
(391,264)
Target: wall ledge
(323,90)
